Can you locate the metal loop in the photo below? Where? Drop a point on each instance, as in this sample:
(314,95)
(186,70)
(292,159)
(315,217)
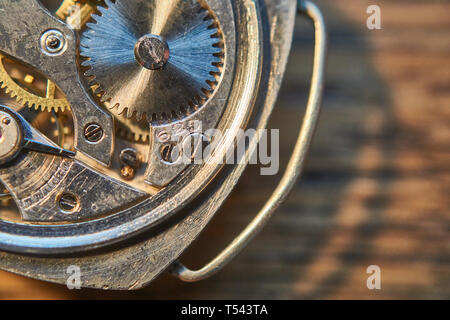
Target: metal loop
(295,164)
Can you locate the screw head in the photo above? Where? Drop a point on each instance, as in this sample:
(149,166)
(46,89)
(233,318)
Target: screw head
(53,42)
(68,202)
(152,52)
(169,153)
(129,157)
(93,133)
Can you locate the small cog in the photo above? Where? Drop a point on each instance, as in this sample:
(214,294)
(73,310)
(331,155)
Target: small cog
(21,92)
(153,60)
(77,13)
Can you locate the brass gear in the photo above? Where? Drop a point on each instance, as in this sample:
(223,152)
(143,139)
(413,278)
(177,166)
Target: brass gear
(64,10)
(77,13)
(20,90)
(46,101)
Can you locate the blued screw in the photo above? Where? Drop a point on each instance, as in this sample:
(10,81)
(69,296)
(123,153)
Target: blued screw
(68,202)
(93,132)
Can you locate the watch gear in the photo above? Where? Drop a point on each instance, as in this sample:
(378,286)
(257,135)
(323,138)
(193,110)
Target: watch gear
(65,8)
(153,59)
(186,76)
(133,130)
(77,13)
(18,90)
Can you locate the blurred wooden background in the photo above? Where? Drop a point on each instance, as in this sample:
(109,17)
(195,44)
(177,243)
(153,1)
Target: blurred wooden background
(377,185)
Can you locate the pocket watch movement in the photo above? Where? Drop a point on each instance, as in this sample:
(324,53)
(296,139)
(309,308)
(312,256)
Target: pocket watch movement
(105,107)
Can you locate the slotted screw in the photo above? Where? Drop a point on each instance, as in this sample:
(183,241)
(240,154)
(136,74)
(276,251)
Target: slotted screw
(129,157)
(93,132)
(68,202)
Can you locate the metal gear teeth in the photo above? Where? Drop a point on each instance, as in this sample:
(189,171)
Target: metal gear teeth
(209,81)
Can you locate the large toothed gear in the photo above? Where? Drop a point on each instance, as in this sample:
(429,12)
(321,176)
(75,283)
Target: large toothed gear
(122,194)
(46,101)
(153,59)
(77,13)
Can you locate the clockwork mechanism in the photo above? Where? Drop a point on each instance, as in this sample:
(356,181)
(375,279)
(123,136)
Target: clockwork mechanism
(105,106)
(152,59)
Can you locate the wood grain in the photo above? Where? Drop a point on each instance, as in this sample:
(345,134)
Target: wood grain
(376,187)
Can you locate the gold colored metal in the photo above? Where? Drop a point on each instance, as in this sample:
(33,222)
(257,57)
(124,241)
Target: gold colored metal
(76,14)
(4,194)
(14,90)
(29,79)
(295,164)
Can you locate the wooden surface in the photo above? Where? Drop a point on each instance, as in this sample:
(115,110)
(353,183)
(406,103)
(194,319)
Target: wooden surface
(376,187)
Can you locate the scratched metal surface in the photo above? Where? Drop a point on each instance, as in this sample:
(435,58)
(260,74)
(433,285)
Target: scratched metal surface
(375,190)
